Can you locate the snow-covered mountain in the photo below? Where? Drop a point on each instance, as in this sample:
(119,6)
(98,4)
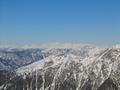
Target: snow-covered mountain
(85,68)
(15,58)
(12,58)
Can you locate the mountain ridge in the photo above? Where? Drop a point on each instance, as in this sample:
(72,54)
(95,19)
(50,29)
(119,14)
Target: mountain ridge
(90,69)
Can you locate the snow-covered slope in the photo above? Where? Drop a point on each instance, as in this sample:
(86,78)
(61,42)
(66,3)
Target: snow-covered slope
(15,58)
(12,58)
(87,68)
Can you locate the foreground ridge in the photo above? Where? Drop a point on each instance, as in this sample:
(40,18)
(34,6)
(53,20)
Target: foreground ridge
(92,69)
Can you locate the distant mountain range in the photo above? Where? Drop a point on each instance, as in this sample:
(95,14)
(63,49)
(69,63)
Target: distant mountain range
(76,67)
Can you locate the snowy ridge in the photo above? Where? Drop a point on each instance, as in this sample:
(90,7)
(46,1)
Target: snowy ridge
(58,57)
(53,60)
(93,68)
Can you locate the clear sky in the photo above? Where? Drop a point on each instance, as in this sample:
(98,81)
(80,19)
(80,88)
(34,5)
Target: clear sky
(44,21)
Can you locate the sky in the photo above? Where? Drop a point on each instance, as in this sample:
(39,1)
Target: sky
(45,21)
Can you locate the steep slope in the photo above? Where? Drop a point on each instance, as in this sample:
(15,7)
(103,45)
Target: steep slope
(98,69)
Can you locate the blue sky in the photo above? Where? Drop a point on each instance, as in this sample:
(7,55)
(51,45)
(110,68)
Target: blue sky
(43,21)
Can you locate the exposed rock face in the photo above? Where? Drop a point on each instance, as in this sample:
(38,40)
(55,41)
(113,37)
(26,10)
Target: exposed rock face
(5,76)
(100,70)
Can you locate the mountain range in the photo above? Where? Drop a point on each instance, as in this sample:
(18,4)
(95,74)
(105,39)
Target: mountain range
(76,67)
